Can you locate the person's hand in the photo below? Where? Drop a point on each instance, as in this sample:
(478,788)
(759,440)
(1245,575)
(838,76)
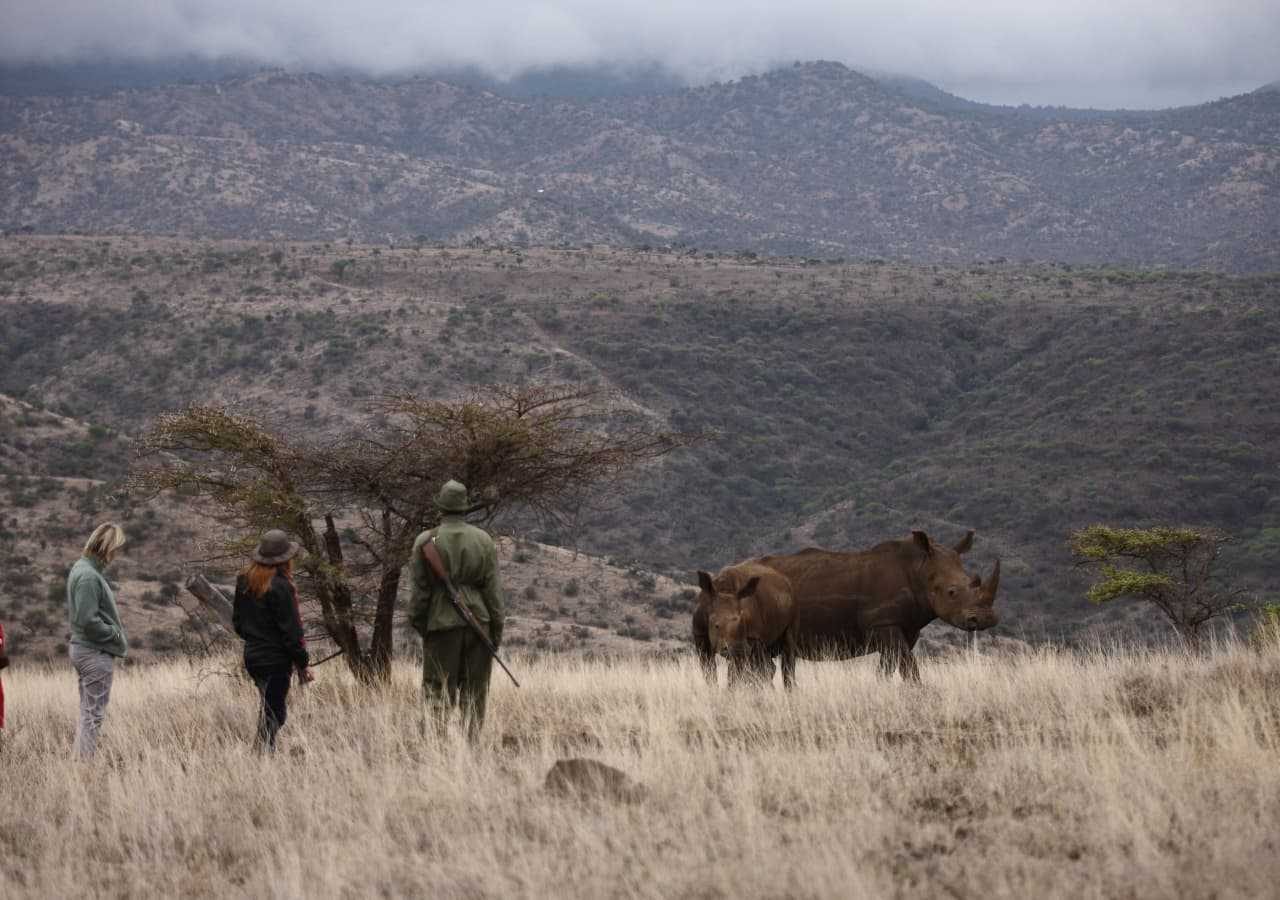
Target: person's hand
(306,676)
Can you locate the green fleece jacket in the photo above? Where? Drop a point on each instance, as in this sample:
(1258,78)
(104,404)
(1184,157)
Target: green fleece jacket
(471,560)
(91,607)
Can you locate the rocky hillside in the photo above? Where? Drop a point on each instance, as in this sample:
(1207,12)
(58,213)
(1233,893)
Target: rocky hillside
(814,160)
(848,403)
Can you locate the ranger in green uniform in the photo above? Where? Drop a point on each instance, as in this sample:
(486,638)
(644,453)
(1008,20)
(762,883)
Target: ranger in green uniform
(455,664)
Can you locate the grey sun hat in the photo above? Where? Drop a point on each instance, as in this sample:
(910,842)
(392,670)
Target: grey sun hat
(453,498)
(275,548)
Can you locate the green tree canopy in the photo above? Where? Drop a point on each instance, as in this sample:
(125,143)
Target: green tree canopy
(1172,568)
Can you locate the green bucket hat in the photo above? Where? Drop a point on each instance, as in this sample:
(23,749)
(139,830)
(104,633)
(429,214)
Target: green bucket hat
(453,498)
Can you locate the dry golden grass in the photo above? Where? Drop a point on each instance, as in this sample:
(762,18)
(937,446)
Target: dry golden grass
(1124,774)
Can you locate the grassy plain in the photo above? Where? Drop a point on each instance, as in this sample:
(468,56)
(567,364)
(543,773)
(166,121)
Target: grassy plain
(1118,774)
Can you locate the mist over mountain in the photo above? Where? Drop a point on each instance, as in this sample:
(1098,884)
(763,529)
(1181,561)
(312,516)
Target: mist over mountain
(97,78)
(1081,53)
(583,81)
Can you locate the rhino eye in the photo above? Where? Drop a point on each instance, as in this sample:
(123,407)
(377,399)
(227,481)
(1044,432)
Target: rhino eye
(951,592)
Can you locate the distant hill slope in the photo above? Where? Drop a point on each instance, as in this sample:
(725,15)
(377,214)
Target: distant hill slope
(849,402)
(814,159)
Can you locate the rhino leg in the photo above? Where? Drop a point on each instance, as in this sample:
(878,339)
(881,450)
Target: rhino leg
(706,653)
(752,669)
(788,660)
(882,641)
(763,662)
(895,653)
(760,665)
(908,668)
(765,669)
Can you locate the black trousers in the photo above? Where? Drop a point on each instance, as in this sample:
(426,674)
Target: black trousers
(273,689)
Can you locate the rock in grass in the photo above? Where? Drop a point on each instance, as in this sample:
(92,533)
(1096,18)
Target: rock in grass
(589,778)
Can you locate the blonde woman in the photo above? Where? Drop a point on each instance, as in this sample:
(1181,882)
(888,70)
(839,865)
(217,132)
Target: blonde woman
(97,635)
(266,617)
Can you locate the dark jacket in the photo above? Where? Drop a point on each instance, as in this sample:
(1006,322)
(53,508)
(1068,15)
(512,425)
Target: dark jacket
(270,626)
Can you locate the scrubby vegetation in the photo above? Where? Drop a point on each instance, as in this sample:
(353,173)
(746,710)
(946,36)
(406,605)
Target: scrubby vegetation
(851,401)
(811,159)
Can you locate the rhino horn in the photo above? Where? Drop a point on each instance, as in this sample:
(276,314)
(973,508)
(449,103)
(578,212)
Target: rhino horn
(992,585)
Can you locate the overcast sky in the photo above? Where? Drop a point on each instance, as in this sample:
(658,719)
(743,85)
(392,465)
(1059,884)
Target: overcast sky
(1106,53)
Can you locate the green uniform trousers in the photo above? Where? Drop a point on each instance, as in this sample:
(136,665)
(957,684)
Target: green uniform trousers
(455,672)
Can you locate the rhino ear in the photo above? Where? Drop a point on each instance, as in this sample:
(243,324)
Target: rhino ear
(922,541)
(704,582)
(750,587)
(965,543)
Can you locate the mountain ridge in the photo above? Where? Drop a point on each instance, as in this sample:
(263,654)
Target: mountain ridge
(815,160)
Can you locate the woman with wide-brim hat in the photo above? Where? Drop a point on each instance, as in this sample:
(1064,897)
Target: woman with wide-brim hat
(267,618)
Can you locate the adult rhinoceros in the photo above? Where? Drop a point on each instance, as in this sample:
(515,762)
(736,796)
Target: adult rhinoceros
(855,602)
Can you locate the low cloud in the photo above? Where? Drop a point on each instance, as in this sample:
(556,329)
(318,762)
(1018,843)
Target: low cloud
(1081,52)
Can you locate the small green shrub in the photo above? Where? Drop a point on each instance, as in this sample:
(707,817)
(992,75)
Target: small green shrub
(1266,627)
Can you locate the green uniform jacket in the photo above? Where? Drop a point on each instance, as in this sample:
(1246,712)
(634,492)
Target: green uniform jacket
(472,562)
(91,607)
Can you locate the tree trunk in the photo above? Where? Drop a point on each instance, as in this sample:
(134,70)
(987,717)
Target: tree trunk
(212,600)
(397,539)
(381,649)
(337,607)
(335,601)
(1192,637)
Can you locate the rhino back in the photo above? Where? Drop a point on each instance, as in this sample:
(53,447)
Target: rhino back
(841,596)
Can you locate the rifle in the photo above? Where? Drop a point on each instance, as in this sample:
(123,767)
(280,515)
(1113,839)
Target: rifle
(431,554)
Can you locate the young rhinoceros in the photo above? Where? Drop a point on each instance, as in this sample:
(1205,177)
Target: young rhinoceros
(745,614)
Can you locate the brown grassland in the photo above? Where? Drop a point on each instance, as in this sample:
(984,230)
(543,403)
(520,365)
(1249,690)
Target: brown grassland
(1120,774)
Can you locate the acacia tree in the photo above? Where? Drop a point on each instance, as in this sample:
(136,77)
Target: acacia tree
(357,502)
(1173,569)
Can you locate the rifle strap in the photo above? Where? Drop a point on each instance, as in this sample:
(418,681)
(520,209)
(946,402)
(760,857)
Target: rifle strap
(435,559)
